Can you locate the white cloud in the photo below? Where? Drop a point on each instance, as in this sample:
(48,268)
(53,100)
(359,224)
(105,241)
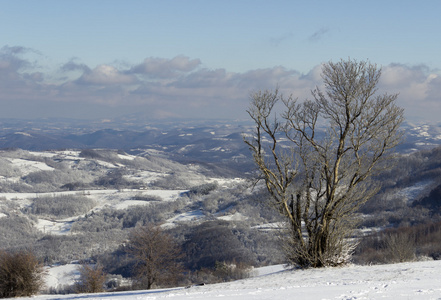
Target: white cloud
(165,68)
(106,75)
(419,89)
(180,87)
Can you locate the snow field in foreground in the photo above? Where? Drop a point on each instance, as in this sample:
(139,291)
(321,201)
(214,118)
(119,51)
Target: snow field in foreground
(413,280)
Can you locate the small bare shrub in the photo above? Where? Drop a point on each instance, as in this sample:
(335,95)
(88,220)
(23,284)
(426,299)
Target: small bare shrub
(233,271)
(221,272)
(21,274)
(92,279)
(400,247)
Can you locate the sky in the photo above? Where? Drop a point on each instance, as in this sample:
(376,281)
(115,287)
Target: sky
(180,59)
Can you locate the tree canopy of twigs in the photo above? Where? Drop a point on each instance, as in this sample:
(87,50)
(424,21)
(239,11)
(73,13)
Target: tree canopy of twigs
(157,256)
(92,278)
(317,157)
(21,274)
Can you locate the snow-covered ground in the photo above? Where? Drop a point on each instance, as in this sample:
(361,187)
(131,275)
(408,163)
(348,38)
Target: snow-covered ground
(61,276)
(184,217)
(413,280)
(412,192)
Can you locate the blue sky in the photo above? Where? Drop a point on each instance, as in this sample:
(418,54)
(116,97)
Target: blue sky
(187,59)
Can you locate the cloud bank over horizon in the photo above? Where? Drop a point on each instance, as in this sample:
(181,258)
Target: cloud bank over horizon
(178,87)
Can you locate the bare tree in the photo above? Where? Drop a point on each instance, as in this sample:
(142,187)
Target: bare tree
(21,274)
(92,278)
(317,157)
(157,256)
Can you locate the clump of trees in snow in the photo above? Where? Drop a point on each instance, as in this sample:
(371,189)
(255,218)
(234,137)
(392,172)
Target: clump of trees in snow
(61,205)
(400,244)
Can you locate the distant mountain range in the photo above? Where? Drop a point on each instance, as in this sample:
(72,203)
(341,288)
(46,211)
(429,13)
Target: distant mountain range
(209,141)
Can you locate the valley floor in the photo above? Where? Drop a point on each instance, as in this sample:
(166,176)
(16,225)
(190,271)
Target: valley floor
(413,280)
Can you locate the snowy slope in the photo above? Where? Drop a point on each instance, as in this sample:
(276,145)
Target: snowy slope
(416,280)
(62,275)
(16,165)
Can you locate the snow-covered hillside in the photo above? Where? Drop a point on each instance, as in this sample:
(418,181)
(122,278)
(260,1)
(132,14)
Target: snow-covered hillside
(415,280)
(116,191)
(16,165)
(70,205)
